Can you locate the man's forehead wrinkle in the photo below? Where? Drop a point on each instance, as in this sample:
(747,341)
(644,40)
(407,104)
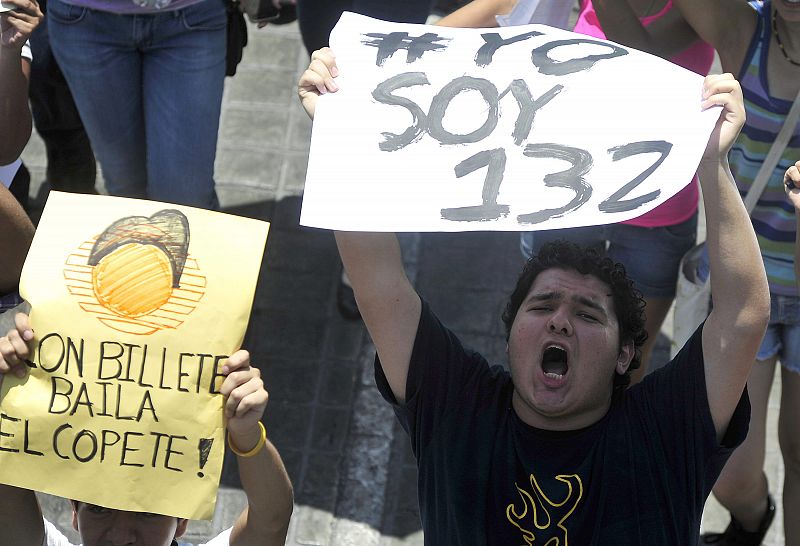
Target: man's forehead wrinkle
(558,294)
(543,296)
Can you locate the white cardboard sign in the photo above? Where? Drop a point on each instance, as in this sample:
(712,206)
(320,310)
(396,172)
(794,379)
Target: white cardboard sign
(514,129)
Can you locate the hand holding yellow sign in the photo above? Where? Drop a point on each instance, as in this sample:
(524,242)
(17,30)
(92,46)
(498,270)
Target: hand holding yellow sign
(136,307)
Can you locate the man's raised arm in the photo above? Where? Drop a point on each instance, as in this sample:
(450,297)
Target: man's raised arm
(733,331)
(388,303)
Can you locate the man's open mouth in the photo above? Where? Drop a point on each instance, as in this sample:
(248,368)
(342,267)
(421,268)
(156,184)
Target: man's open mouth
(554,362)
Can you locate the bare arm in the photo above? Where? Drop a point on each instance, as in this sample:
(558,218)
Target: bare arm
(667,36)
(388,303)
(265,521)
(478,14)
(733,330)
(20,513)
(16,234)
(727,25)
(791,182)
(15,115)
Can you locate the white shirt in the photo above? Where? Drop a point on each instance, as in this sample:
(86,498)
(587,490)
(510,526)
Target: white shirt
(54,537)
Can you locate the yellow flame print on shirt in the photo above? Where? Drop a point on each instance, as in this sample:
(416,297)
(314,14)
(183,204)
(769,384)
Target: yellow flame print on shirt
(538,512)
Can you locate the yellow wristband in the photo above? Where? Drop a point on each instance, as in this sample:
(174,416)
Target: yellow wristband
(256,449)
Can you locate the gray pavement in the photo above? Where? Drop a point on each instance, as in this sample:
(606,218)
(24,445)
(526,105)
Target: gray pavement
(350,463)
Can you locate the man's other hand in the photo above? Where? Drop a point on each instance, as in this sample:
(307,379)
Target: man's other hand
(317,79)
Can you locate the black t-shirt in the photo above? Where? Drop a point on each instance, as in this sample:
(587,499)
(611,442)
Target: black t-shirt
(640,475)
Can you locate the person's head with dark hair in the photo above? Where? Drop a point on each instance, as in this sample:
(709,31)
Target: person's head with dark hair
(575,328)
(99,525)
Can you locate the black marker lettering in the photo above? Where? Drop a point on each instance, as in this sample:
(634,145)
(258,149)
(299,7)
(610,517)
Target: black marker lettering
(104,409)
(170,452)
(25,444)
(78,356)
(158,436)
(147,404)
(126,449)
(613,203)
(117,414)
(104,443)
(212,387)
(93,445)
(56,434)
(180,371)
(54,391)
(4,417)
(118,352)
(571,179)
(141,370)
(82,400)
(200,370)
(42,364)
(495,160)
(127,375)
(550,67)
(163,367)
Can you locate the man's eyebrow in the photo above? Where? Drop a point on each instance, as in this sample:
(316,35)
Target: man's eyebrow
(544,296)
(590,303)
(554,295)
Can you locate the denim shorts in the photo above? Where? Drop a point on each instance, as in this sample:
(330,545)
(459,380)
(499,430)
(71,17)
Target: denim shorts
(783,333)
(651,256)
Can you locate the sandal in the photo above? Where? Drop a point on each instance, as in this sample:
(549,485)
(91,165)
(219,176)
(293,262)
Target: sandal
(735,535)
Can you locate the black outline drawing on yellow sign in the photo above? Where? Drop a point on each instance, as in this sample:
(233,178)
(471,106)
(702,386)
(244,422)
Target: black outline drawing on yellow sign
(540,506)
(137,276)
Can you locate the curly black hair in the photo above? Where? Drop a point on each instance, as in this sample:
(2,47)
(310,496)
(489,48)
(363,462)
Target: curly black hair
(628,301)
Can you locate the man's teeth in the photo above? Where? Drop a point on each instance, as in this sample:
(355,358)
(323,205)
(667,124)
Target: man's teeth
(552,375)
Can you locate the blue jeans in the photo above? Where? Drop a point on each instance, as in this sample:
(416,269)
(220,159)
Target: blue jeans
(149,92)
(651,256)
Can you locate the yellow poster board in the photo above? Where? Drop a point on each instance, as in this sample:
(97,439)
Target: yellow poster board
(135,307)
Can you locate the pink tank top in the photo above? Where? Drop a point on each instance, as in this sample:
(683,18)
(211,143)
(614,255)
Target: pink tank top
(698,58)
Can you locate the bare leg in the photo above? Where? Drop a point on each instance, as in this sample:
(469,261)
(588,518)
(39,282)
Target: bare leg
(742,487)
(789,437)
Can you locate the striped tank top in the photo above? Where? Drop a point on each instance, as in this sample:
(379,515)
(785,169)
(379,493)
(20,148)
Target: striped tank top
(773,216)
